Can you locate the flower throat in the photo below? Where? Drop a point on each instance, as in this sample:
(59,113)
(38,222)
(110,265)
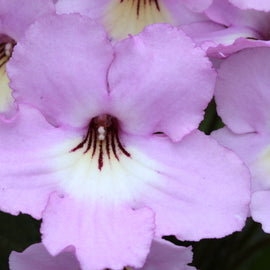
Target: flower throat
(102,138)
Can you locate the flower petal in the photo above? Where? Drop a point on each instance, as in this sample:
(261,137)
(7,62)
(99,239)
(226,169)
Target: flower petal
(200,189)
(15,21)
(253,148)
(260,208)
(220,41)
(60,67)
(242,95)
(263,5)
(104,236)
(165,255)
(197,5)
(38,258)
(223,12)
(160,82)
(27,145)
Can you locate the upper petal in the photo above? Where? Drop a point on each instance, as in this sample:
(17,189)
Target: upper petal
(60,67)
(17,15)
(160,82)
(242,96)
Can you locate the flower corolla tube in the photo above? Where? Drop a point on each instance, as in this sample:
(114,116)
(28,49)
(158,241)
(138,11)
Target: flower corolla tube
(90,159)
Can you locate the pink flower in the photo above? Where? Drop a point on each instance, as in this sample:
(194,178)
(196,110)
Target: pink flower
(124,17)
(163,255)
(15,18)
(243,102)
(94,168)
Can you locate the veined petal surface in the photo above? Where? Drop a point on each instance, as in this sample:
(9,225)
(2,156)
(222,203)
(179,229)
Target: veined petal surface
(199,187)
(160,82)
(60,67)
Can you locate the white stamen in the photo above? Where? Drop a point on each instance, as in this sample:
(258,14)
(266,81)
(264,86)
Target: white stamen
(101,130)
(101,137)
(8,49)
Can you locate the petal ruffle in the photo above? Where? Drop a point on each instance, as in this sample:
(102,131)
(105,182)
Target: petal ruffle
(200,190)
(242,96)
(105,236)
(17,15)
(27,145)
(38,258)
(60,68)
(160,82)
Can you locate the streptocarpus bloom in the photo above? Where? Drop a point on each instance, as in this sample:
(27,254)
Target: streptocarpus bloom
(243,102)
(124,17)
(15,18)
(93,168)
(163,255)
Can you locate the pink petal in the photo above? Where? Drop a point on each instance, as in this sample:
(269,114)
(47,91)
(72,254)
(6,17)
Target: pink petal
(160,82)
(222,11)
(27,154)
(61,67)
(36,257)
(104,235)
(242,95)
(17,15)
(219,41)
(263,5)
(201,189)
(260,208)
(250,147)
(165,255)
